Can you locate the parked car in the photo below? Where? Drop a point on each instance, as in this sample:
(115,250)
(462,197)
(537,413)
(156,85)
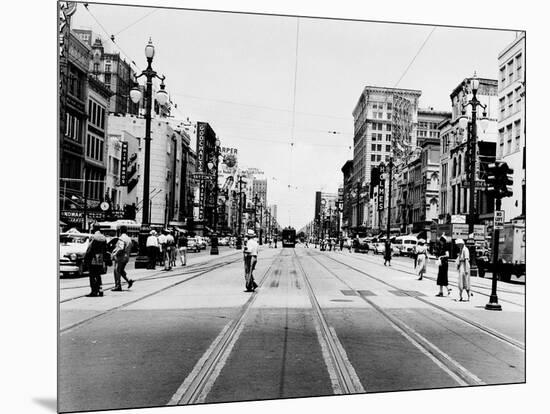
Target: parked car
(379,248)
(73,246)
(193,245)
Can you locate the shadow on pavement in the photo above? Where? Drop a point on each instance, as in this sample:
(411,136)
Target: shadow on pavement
(49,403)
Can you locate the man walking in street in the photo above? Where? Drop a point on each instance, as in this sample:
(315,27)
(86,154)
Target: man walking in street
(463,267)
(250,260)
(94,259)
(121,256)
(170,244)
(152,249)
(162,248)
(387,253)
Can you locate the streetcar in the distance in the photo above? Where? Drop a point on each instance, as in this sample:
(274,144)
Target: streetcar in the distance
(288,236)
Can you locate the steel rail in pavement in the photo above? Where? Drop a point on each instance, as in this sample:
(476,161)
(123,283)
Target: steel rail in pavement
(454,369)
(196,386)
(486,330)
(161,274)
(365,259)
(148,295)
(347,378)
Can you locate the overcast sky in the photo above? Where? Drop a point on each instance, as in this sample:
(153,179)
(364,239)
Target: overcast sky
(237,72)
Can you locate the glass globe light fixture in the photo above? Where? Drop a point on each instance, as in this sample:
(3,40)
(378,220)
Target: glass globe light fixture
(149,50)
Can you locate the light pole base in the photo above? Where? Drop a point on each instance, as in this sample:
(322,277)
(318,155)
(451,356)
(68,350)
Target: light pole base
(493,304)
(214,245)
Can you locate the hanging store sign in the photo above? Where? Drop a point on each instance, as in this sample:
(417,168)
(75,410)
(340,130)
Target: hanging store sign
(460,231)
(381,196)
(201,153)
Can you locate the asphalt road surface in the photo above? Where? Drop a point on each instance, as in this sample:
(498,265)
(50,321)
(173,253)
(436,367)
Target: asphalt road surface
(321,323)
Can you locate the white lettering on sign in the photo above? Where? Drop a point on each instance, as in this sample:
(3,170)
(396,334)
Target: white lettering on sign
(499,220)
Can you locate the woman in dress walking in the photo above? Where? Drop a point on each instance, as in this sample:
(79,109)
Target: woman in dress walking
(463,267)
(422,258)
(443,269)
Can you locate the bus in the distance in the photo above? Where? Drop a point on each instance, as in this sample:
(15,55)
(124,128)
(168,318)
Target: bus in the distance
(111,230)
(288,237)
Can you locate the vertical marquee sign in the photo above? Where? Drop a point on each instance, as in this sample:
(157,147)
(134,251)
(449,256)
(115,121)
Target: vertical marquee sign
(201,152)
(123,164)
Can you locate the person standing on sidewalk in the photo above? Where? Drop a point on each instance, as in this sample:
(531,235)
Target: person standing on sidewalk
(387,253)
(121,256)
(152,249)
(95,260)
(182,247)
(443,267)
(463,267)
(170,244)
(421,258)
(162,247)
(250,260)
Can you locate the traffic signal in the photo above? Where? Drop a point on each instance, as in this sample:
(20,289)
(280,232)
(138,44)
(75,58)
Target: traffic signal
(499,179)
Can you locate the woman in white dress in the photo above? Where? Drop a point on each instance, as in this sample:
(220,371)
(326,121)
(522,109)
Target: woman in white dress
(463,267)
(422,258)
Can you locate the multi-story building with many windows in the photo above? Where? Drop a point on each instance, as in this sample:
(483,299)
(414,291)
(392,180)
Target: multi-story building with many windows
(383,118)
(96,140)
(511,122)
(455,186)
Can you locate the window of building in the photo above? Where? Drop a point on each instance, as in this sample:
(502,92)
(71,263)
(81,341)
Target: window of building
(502,106)
(388,148)
(510,69)
(373,157)
(107,67)
(509,139)
(380,126)
(434,134)
(374,105)
(373,138)
(502,76)
(388,137)
(388,115)
(510,100)
(373,147)
(379,147)
(389,106)
(108,80)
(517,134)
(379,157)
(519,68)
(388,127)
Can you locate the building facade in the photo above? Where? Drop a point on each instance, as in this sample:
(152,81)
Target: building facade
(72,140)
(347,198)
(385,122)
(455,185)
(511,122)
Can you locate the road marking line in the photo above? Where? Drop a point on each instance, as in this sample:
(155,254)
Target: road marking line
(328,360)
(200,363)
(352,373)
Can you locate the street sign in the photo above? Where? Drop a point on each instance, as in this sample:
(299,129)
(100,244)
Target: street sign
(499,220)
(458,219)
(479,232)
(460,231)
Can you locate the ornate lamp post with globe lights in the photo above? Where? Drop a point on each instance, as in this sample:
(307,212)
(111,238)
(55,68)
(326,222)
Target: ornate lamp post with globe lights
(472,157)
(162,98)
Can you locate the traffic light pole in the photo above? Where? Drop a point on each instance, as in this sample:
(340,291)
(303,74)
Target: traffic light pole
(493,299)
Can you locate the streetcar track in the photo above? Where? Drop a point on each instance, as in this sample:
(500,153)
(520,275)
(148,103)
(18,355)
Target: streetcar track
(488,331)
(126,304)
(152,276)
(454,369)
(452,283)
(347,381)
(197,385)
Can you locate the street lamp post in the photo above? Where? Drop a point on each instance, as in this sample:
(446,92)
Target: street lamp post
(261,219)
(162,98)
(239,244)
(213,166)
(472,149)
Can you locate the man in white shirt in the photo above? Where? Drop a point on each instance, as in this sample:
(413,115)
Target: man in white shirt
(121,256)
(152,249)
(162,247)
(250,260)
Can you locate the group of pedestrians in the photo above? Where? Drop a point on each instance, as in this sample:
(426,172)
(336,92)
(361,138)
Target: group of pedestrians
(462,266)
(166,248)
(98,257)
